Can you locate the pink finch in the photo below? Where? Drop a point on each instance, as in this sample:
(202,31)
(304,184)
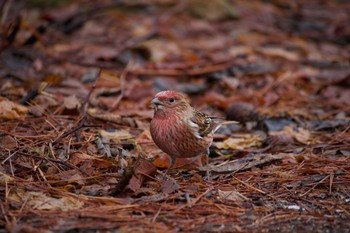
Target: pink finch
(180,130)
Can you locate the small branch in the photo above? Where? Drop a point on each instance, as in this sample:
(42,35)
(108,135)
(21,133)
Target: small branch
(248,185)
(10,156)
(194,202)
(313,187)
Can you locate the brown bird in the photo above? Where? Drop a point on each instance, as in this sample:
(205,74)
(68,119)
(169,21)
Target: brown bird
(180,130)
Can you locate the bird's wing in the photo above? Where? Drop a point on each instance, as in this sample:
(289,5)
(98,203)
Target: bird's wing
(206,124)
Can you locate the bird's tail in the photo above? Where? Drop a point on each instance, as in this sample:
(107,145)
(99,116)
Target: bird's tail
(229,122)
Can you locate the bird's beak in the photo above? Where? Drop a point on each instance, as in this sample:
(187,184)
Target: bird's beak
(156,103)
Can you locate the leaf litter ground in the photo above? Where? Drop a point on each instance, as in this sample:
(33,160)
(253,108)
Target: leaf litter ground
(77,79)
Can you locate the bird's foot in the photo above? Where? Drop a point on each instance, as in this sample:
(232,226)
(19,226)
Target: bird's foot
(207,173)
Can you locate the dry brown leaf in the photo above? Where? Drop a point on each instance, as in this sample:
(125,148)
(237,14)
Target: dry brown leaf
(144,140)
(231,195)
(248,162)
(300,134)
(41,201)
(118,119)
(116,135)
(70,176)
(169,185)
(71,102)
(213,10)
(8,142)
(159,50)
(142,169)
(88,162)
(244,141)
(10,110)
(280,52)
(95,190)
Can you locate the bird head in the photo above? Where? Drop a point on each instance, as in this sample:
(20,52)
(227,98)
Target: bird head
(169,101)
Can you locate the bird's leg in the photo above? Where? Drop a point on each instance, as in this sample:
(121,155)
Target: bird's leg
(172,163)
(207,175)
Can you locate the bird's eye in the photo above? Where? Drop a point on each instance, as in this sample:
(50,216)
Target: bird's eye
(171,100)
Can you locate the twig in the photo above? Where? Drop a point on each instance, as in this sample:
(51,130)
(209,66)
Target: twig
(85,103)
(340,135)
(313,187)
(156,215)
(11,166)
(4,214)
(19,215)
(331,183)
(343,209)
(10,156)
(248,185)
(194,202)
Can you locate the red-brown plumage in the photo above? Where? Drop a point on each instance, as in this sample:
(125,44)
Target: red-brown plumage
(178,129)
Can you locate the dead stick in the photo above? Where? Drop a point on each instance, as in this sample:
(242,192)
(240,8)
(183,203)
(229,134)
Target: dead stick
(10,156)
(194,202)
(248,185)
(313,187)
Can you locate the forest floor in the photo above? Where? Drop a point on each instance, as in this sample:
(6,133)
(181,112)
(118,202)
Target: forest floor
(76,81)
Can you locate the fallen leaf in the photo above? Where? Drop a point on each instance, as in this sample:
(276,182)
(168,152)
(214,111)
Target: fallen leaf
(11,111)
(169,185)
(116,135)
(118,119)
(243,142)
(95,190)
(89,164)
(154,198)
(279,52)
(160,50)
(71,102)
(213,10)
(231,195)
(69,177)
(41,201)
(248,162)
(143,168)
(300,134)
(8,142)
